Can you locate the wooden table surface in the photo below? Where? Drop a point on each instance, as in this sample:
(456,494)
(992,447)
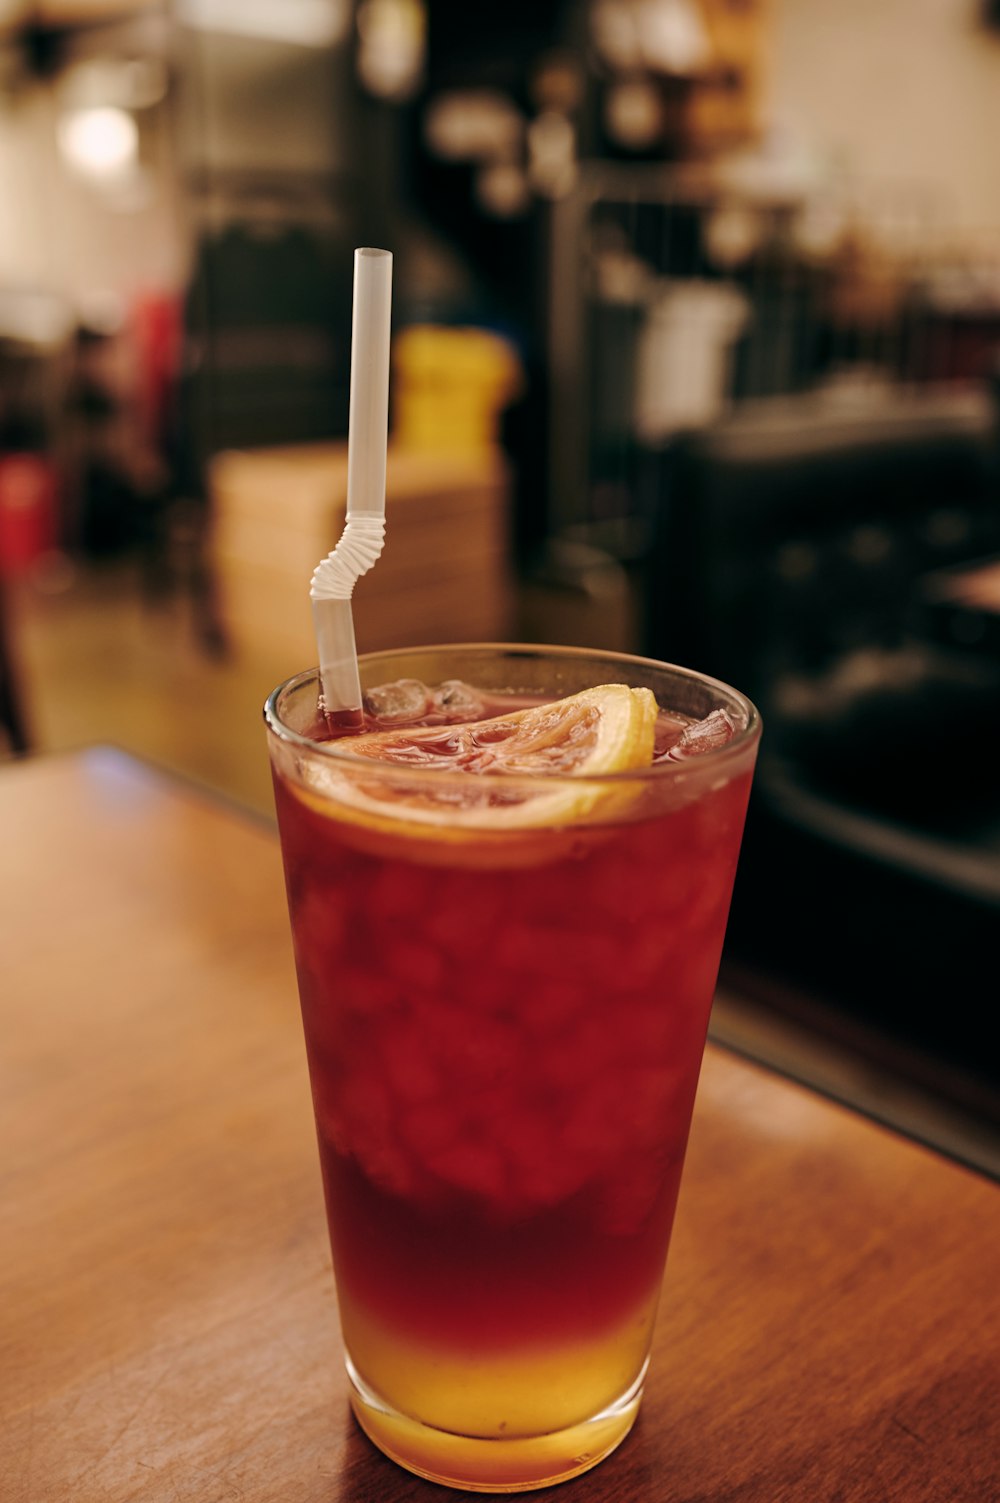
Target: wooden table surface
(830,1329)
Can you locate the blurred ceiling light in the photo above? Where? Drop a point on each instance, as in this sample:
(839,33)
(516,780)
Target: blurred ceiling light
(633,114)
(100,144)
(733,233)
(502,190)
(392,45)
(620,277)
(673,36)
(615,33)
(667,36)
(473,125)
(304,23)
(551,154)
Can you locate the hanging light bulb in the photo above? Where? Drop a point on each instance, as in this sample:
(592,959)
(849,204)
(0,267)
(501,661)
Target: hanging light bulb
(392,43)
(101,143)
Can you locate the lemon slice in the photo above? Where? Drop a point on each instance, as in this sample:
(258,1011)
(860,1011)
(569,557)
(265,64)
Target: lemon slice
(492,776)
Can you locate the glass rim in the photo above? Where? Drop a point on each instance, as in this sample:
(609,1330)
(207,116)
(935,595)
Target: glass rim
(338,749)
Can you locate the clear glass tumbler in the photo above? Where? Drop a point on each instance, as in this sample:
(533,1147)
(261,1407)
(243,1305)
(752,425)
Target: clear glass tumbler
(504,1026)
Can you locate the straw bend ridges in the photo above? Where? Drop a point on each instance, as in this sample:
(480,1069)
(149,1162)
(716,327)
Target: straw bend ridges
(360,545)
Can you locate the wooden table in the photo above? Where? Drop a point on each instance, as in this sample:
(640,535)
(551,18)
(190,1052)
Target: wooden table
(831,1323)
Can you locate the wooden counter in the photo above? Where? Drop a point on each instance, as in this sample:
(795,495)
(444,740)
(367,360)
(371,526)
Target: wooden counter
(831,1321)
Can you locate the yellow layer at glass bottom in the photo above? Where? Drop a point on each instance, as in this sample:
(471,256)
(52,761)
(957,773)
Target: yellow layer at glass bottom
(499,1464)
(497,1422)
(539,1387)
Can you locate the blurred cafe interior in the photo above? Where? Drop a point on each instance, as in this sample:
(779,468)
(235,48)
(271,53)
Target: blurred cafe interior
(696,354)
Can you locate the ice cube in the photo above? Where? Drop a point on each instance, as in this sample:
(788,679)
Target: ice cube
(705,735)
(459,701)
(406,699)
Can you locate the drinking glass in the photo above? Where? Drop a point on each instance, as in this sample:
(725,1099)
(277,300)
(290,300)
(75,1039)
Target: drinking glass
(504,1026)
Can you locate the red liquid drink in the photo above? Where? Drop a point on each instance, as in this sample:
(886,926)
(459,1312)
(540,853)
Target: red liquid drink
(505,1006)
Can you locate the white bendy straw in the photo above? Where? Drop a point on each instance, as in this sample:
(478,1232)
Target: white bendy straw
(361,541)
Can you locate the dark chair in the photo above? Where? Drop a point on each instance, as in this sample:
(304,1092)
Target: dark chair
(792,546)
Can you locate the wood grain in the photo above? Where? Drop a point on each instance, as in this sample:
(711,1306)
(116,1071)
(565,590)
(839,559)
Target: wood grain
(830,1329)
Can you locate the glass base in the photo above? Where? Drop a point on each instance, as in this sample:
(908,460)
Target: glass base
(476,1464)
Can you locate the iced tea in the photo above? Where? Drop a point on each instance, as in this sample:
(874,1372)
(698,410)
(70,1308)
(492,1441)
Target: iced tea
(504,1028)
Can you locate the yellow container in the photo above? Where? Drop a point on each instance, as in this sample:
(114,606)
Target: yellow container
(450,386)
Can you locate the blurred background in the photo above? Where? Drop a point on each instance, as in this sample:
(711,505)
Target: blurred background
(696,354)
